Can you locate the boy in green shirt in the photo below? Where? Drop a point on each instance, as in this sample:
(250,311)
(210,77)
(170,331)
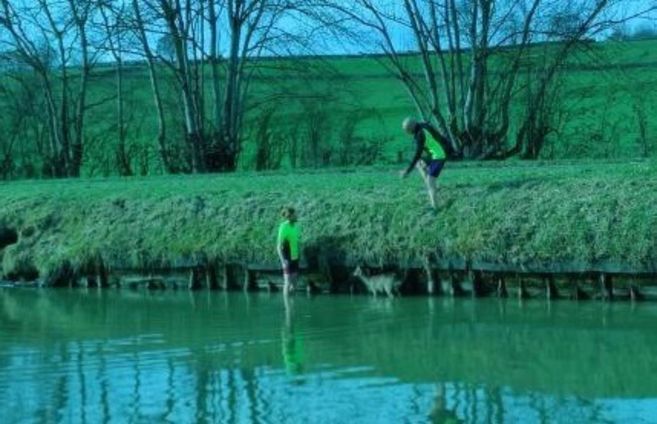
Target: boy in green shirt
(435,159)
(287,246)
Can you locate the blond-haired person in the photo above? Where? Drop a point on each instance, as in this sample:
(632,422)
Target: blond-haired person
(432,150)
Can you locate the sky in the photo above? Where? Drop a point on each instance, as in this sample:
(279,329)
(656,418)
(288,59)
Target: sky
(402,38)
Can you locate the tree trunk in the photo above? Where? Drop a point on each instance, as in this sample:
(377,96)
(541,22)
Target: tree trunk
(230,141)
(77,146)
(177,31)
(213,154)
(155,89)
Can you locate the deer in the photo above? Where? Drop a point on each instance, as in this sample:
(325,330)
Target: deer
(384,283)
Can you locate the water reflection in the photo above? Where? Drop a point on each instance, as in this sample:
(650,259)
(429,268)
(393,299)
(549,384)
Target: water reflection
(103,356)
(292,344)
(441,413)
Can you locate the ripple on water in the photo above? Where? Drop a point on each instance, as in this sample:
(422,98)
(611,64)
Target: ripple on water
(234,358)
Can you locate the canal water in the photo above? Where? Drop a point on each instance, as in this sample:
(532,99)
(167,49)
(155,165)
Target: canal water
(125,356)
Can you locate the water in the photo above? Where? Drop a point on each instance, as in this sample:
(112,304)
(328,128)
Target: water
(122,356)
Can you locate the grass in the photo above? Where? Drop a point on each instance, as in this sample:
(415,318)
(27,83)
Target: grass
(510,214)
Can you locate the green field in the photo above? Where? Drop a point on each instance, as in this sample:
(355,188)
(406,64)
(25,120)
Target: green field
(594,214)
(602,88)
(605,87)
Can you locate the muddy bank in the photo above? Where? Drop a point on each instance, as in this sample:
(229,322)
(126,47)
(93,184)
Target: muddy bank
(581,221)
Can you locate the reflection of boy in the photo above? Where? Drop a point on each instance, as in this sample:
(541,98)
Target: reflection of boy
(292,345)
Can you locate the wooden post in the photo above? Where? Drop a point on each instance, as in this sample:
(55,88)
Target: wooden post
(478,289)
(325,269)
(606,287)
(578,293)
(431,281)
(271,287)
(194,279)
(224,277)
(154,283)
(249,282)
(102,274)
(501,287)
(113,281)
(446,284)
(452,285)
(311,287)
(92,281)
(635,293)
(230,277)
(211,276)
(522,289)
(334,282)
(551,291)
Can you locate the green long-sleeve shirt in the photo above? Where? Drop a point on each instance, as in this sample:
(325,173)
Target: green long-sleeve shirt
(288,239)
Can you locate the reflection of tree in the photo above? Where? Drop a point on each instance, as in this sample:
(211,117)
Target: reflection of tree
(291,345)
(83,383)
(113,377)
(440,413)
(137,381)
(170,390)
(233,390)
(203,379)
(496,404)
(537,404)
(597,411)
(251,392)
(103,380)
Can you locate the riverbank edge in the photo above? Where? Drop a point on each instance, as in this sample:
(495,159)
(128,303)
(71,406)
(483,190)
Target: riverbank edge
(546,219)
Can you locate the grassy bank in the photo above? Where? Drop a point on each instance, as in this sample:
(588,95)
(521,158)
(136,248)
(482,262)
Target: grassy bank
(507,214)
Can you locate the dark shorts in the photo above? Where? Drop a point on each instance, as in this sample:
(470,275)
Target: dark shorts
(434,167)
(291,268)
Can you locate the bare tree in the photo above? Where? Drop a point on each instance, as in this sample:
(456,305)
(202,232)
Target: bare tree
(30,53)
(31,27)
(472,53)
(115,30)
(214,138)
(81,11)
(179,22)
(12,124)
(139,27)
(252,29)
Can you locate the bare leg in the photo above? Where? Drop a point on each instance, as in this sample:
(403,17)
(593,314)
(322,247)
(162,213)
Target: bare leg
(429,182)
(431,186)
(422,169)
